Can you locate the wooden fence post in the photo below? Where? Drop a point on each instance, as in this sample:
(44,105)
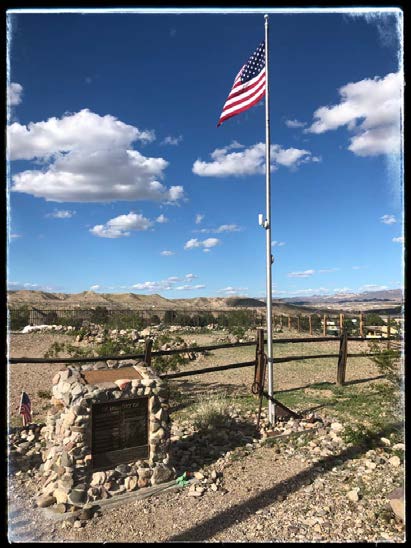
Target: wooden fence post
(341,323)
(342,359)
(361,324)
(325,325)
(310,324)
(289,321)
(388,332)
(147,351)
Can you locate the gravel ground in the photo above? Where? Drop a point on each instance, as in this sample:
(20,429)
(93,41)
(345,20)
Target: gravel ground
(270,494)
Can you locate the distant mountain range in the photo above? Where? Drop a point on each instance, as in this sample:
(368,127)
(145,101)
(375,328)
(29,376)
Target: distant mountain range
(117,301)
(43,300)
(391,295)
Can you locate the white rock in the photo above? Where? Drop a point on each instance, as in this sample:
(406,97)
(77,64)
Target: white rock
(395,461)
(353,495)
(98,478)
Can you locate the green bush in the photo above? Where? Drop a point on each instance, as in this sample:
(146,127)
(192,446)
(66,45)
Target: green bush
(387,362)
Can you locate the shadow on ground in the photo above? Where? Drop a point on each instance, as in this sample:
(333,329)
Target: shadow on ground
(223,520)
(204,447)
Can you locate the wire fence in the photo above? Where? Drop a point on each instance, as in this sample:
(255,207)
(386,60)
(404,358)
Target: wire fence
(368,324)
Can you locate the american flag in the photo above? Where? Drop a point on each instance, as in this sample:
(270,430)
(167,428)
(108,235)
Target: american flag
(25,408)
(248,87)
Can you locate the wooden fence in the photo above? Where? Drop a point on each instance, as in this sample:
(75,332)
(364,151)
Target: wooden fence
(149,354)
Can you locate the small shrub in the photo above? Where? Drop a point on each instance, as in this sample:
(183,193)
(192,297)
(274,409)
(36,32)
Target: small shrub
(237,331)
(211,412)
(44,394)
(54,350)
(387,362)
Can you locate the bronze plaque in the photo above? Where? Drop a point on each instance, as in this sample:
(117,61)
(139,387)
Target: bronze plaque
(119,432)
(110,375)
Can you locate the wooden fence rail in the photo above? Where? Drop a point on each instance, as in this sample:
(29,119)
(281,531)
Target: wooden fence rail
(143,356)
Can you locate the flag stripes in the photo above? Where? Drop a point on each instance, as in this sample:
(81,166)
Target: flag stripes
(248,88)
(25,409)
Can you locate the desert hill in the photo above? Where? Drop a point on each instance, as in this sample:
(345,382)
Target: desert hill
(118,301)
(388,301)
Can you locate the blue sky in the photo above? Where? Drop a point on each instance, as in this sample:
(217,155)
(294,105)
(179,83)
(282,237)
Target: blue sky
(119,180)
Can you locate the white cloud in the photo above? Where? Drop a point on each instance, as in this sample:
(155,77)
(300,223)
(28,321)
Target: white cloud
(190,244)
(389,26)
(95,287)
(294,123)
(342,289)
(168,284)
(15,92)
(388,219)
(310,291)
(371,109)
(206,250)
(120,226)
(161,219)
(372,287)
(199,218)
(326,270)
(170,140)
(173,279)
(228,291)
(274,243)
(61,214)
(303,274)
(250,161)
(210,242)
(220,229)
(14,236)
(207,244)
(167,253)
(163,285)
(88,158)
(189,287)
(31,286)
(399,239)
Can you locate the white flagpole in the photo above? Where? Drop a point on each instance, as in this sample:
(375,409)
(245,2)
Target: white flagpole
(267,226)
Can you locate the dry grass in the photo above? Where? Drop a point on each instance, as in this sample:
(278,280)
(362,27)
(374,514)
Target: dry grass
(211,411)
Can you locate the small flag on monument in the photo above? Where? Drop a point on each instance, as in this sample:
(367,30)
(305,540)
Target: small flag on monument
(25,408)
(249,86)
